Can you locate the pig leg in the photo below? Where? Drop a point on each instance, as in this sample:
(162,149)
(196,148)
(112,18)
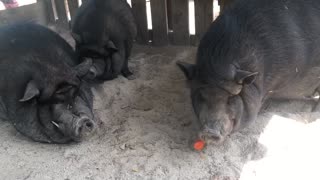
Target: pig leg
(125,69)
(118,60)
(316,107)
(3,110)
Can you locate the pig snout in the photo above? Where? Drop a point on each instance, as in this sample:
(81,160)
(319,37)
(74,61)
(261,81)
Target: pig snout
(211,135)
(216,132)
(84,126)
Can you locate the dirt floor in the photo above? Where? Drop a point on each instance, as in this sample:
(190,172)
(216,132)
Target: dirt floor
(147,126)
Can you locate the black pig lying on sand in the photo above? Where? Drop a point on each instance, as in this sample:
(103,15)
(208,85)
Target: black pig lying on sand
(254,51)
(41,90)
(104,31)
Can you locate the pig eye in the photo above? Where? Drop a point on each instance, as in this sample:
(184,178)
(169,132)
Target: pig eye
(231,99)
(91,54)
(201,96)
(64,89)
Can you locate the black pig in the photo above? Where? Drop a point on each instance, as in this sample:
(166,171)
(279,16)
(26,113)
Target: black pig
(41,90)
(254,51)
(104,30)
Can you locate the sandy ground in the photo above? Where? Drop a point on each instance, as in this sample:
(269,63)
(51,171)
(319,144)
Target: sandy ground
(147,126)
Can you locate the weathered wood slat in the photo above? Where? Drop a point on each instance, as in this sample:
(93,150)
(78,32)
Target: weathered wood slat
(62,13)
(140,14)
(28,13)
(48,9)
(84,1)
(203,17)
(169,12)
(73,6)
(159,22)
(224,3)
(180,22)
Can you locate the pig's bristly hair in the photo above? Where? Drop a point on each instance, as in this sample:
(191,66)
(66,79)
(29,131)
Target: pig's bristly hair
(218,47)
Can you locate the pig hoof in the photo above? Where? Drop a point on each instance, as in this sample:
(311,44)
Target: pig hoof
(126,73)
(132,77)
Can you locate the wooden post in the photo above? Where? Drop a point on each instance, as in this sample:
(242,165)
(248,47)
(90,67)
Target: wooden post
(84,1)
(180,22)
(223,4)
(49,15)
(159,22)
(62,14)
(140,13)
(73,6)
(203,17)
(169,12)
(27,13)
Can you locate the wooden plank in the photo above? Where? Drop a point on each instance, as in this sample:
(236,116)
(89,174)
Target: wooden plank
(73,6)
(62,13)
(169,12)
(224,3)
(140,14)
(48,9)
(180,22)
(84,1)
(203,17)
(193,40)
(159,22)
(27,13)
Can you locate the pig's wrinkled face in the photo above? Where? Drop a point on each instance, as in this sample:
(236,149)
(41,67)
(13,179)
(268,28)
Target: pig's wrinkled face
(62,120)
(219,112)
(57,109)
(99,51)
(218,103)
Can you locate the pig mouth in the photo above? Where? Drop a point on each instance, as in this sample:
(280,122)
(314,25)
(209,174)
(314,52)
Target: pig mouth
(76,129)
(64,124)
(217,136)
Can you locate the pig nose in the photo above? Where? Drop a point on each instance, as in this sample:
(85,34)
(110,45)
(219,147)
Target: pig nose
(84,126)
(212,135)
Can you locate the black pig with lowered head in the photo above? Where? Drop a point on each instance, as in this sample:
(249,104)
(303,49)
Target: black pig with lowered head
(254,51)
(104,30)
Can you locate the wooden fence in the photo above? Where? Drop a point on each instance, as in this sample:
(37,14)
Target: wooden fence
(170,18)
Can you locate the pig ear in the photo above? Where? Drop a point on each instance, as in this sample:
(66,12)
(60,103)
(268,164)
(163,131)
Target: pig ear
(245,77)
(31,92)
(83,68)
(110,45)
(76,37)
(187,69)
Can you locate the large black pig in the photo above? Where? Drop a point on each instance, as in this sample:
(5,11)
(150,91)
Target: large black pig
(41,88)
(104,30)
(254,51)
